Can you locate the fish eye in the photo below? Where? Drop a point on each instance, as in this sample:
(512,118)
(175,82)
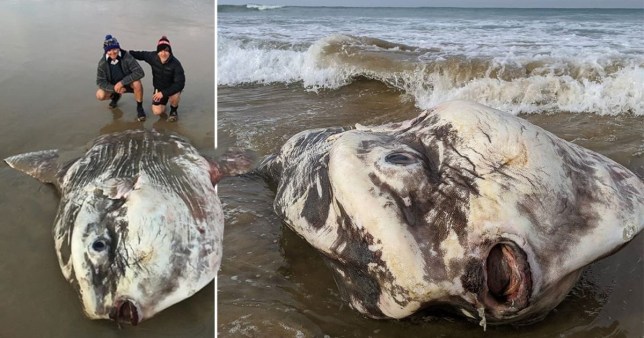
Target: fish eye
(400,159)
(99,245)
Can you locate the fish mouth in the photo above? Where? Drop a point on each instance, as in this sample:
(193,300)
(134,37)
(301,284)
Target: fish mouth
(508,282)
(125,311)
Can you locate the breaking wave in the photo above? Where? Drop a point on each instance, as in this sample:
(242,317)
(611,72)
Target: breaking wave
(262,7)
(246,8)
(528,84)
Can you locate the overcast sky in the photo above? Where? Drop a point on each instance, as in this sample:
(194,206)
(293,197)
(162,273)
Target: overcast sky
(449,3)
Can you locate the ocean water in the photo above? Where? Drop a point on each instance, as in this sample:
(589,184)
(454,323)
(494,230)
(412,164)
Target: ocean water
(518,60)
(281,70)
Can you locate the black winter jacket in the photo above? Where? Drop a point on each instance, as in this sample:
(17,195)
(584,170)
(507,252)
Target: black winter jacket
(167,77)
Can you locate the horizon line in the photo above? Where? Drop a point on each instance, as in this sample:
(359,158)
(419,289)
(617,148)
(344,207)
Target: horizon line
(465,7)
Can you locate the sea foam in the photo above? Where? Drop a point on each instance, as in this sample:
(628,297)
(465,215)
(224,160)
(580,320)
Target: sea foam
(516,84)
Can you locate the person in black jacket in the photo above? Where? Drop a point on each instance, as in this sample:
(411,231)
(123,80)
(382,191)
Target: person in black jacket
(118,73)
(168,78)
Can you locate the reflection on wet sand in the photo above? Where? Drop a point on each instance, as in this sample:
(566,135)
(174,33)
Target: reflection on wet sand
(159,123)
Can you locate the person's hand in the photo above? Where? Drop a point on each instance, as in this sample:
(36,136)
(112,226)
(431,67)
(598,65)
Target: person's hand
(119,88)
(157,96)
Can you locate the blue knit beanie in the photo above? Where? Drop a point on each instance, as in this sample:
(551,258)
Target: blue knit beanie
(110,43)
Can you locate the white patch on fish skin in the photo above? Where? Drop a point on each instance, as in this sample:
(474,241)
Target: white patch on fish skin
(629,232)
(318,186)
(391,307)
(375,247)
(341,272)
(140,181)
(451,248)
(389,303)
(483,322)
(357,304)
(441,155)
(467,314)
(407,201)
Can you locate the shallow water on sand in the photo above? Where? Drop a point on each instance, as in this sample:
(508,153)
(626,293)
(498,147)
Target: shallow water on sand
(47,75)
(272,283)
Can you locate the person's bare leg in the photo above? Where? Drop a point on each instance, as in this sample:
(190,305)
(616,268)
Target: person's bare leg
(138,91)
(174,100)
(158,109)
(102,95)
(137,88)
(174,105)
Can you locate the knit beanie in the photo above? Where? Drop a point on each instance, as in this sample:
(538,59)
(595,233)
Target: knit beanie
(110,43)
(163,44)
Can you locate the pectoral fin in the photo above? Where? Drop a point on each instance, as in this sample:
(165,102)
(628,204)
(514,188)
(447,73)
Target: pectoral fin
(42,165)
(233,162)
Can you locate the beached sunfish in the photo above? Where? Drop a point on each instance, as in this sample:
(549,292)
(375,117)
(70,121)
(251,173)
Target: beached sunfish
(139,225)
(463,207)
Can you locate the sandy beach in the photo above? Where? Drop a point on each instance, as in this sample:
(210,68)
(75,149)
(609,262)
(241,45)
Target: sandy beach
(50,51)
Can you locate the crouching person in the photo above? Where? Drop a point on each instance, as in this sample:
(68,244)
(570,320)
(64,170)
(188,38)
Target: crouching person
(118,73)
(168,77)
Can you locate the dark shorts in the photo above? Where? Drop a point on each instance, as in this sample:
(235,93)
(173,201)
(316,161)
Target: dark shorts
(163,101)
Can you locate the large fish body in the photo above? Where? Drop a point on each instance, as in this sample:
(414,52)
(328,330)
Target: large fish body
(463,206)
(139,226)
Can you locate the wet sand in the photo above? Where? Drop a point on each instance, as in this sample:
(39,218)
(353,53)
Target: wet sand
(49,54)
